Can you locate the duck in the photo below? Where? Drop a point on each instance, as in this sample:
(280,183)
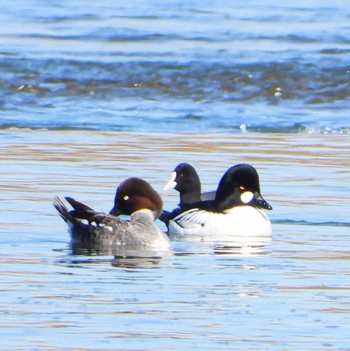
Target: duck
(185,180)
(134,197)
(236,211)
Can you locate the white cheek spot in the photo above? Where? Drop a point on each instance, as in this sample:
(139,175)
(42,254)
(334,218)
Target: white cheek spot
(94,224)
(246,197)
(126,197)
(108,227)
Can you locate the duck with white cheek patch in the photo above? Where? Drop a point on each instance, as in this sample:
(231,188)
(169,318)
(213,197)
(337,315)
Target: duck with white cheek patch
(134,197)
(236,211)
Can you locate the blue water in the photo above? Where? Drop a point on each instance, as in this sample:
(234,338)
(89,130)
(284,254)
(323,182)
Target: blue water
(175,66)
(291,293)
(94,92)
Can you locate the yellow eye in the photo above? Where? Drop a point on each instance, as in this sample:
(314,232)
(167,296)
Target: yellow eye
(242,187)
(126,197)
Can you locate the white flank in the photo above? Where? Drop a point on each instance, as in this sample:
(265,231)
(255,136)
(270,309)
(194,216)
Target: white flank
(240,222)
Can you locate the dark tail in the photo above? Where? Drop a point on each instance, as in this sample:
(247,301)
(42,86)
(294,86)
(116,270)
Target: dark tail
(61,208)
(80,210)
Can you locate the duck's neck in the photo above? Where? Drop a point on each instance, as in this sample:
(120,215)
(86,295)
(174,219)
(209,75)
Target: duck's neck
(144,215)
(190,197)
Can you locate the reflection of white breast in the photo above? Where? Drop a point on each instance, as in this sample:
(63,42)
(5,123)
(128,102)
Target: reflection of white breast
(242,221)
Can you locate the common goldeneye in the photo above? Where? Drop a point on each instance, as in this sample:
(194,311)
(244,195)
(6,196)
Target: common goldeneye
(186,181)
(134,197)
(235,211)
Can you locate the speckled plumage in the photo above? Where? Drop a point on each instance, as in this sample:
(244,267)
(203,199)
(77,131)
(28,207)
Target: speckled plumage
(87,226)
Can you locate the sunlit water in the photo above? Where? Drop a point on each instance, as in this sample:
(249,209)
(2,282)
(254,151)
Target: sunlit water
(292,293)
(175,65)
(94,92)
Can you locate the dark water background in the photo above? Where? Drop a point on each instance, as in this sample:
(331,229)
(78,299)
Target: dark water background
(175,65)
(94,92)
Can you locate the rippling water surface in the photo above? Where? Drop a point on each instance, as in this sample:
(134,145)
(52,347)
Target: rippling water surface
(94,92)
(292,293)
(175,66)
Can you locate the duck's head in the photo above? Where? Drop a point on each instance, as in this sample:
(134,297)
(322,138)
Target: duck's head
(240,186)
(135,194)
(184,179)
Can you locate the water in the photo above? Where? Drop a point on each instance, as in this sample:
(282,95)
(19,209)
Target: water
(92,93)
(291,293)
(175,66)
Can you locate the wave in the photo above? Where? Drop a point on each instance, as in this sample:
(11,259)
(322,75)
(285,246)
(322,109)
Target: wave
(273,82)
(272,97)
(293,129)
(313,223)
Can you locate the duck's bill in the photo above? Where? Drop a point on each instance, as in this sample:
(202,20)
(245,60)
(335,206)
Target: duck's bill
(171,184)
(259,201)
(115,211)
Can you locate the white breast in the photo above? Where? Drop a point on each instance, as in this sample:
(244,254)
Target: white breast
(238,224)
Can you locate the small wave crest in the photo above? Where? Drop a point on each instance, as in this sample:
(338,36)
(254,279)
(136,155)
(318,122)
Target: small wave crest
(312,223)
